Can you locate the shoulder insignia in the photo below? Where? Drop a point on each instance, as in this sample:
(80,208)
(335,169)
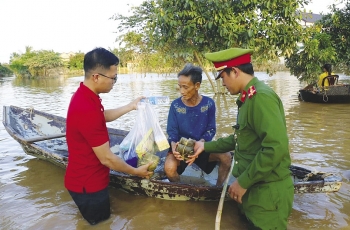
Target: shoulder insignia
(251,91)
(244,96)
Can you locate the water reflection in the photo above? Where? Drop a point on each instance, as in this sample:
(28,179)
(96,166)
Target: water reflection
(319,134)
(32,191)
(36,195)
(45,85)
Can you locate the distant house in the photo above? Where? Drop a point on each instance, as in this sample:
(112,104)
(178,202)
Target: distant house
(308,19)
(65,56)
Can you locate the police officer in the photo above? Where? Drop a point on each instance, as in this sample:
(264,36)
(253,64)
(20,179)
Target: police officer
(263,187)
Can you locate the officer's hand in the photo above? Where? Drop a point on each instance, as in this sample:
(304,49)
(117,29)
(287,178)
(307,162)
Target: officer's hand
(198,147)
(236,191)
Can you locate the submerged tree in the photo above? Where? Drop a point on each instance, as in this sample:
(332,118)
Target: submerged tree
(76,62)
(135,49)
(43,60)
(306,61)
(4,70)
(326,42)
(18,62)
(337,26)
(34,63)
(192,27)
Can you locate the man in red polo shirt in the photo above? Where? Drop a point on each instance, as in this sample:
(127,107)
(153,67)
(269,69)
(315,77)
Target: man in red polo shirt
(90,158)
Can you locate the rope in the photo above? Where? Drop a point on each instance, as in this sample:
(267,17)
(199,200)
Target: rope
(31,112)
(325,99)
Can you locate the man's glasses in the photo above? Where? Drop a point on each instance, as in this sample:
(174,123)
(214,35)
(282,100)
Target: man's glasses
(113,78)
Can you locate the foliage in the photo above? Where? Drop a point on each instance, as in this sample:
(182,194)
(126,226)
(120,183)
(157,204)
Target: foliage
(137,51)
(188,28)
(76,62)
(4,70)
(305,62)
(34,63)
(326,42)
(125,55)
(270,27)
(17,62)
(42,61)
(337,26)
(140,50)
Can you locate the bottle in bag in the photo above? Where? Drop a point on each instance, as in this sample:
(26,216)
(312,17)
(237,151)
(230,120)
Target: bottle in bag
(157,100)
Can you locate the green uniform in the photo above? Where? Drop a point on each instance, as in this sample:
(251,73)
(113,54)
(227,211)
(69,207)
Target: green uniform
(262,159)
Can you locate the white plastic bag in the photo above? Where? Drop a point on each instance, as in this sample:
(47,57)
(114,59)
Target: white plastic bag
(146,137)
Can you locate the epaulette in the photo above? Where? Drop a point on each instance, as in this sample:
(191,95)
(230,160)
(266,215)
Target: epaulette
(251,91)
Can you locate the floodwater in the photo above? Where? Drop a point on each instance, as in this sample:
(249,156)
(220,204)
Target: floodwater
(32,194)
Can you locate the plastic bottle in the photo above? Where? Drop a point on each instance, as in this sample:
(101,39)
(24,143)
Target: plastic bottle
(157,100)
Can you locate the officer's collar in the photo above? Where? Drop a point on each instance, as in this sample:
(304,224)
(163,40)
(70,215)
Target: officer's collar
(248,92)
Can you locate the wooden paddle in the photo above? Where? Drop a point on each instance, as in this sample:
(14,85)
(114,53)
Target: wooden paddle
(48,137)
(222,198)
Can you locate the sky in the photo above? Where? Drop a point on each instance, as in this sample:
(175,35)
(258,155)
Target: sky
(69,25)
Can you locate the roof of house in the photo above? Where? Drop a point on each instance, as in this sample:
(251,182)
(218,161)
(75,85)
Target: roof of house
(310,17)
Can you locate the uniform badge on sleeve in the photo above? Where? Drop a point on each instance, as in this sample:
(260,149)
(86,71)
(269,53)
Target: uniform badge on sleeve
(251,91)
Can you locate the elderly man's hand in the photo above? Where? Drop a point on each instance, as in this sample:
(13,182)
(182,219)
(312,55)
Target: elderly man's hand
(198,149)
(178,156)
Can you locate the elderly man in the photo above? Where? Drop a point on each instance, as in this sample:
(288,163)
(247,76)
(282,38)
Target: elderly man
(193,116)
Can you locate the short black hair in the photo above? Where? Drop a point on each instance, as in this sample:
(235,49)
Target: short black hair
(99,57)
(192,71)
(245,68)
(328,68)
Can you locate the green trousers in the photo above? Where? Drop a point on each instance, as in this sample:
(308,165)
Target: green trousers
(268,205)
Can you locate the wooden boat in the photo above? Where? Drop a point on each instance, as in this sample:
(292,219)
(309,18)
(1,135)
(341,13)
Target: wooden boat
(334,93)
(43,135)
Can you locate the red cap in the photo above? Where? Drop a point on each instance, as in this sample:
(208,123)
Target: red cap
(229,58)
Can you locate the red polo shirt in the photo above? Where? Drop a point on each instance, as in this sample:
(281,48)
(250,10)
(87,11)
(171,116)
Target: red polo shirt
(86,128)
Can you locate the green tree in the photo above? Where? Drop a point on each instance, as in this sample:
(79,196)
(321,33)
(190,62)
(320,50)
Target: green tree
(192,27)
(18,62)
(125,55)
(134,47)
(306,61)
(43,61)
(34,63)
(326,42)
(137,50)
(4,70)
(76,62)
(337,25)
